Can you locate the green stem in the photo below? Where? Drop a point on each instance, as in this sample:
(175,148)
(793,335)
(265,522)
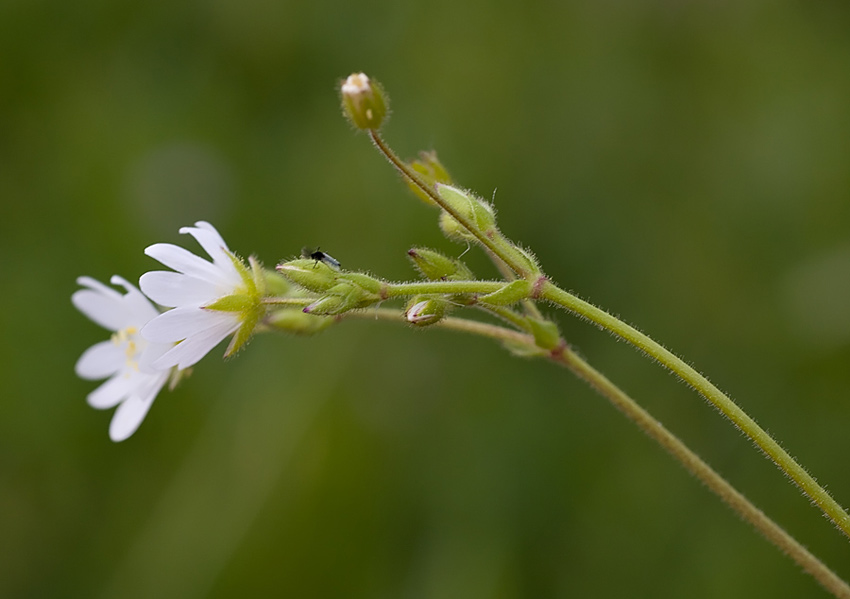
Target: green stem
(550,292)
(441,287)
(564,356)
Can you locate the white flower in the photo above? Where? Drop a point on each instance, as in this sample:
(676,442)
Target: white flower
(125,359)
(211,300)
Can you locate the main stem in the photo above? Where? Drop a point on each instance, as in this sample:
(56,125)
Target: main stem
(699,468)
(809,486)
(564,356)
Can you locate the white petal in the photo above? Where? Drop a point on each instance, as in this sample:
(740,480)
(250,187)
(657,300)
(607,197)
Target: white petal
(180,323)
(107,310)
(190,351)
(97,286)
(135,302)
(111,393)
(214,245)
(100,361)
(175,289)
(182,260)
(132,412)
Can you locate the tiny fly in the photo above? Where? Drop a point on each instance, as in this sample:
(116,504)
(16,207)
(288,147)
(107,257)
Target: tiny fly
(319,256)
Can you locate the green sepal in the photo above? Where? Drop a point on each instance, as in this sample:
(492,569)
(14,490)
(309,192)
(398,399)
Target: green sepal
(238,302)
(362,280)
(546,333)
(244,332)
(479,213)
(243,271)
(509,294)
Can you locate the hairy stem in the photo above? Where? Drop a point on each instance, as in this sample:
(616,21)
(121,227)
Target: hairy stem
(550,292)
(566,357)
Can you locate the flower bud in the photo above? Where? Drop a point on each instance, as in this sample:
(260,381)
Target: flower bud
(363,101)
(477,212)
(426,311)
(294,320)
(434,266)
(431,171)
(327,305)
(309,274)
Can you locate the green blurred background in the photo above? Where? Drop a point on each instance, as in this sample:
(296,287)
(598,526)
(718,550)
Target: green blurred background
(685,164)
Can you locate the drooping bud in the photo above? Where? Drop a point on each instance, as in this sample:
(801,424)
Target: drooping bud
(435,266)
(364,102)
(424,312)
(431,171)
(294,320)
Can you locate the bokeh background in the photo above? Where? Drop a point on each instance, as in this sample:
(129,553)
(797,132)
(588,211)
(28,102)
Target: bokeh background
(685,164)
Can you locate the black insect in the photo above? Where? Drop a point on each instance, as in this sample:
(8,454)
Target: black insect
(319,256)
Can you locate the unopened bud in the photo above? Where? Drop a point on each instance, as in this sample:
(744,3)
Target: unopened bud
(294,320)
(434,266)
(328,305)
(363,101)
(425,312)
(478,213)
(309,274)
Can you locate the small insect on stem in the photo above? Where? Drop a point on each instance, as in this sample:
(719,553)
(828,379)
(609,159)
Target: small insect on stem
(319,256)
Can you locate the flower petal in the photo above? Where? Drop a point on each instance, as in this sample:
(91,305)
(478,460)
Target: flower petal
(185,321)
(133,410)
(136,304)
(100,361)
(182,260)
(210,239)
(195,347)
(107,310)
(111,393)
(174,289)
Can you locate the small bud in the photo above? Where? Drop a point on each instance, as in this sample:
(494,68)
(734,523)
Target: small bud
(363,102)
(328,305)
(294,320)
(434,266)
(309,274)
(509,294)
(425,312)
(431,171)
(477,212)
